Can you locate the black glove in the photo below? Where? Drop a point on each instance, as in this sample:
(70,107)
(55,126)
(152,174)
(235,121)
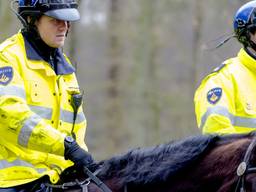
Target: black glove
(76,154)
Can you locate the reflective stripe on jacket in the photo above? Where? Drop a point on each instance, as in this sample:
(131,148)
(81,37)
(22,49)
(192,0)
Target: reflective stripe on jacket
(225,102)
(35,114)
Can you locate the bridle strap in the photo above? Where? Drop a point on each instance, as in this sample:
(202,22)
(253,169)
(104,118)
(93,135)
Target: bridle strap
(82,184)
(96,180)
(243,169)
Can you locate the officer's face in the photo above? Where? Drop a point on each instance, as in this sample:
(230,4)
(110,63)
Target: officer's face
(52,31)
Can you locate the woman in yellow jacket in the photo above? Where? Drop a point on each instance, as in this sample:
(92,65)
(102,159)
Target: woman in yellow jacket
(225,102)
(42,128)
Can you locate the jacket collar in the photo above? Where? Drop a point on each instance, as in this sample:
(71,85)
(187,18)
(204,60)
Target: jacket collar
(62,65)
(247,58)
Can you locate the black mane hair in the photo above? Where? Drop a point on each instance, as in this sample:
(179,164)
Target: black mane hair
(156,165)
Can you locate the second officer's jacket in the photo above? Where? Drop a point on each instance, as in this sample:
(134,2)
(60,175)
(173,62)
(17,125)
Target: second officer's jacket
(225,102)
(35,113)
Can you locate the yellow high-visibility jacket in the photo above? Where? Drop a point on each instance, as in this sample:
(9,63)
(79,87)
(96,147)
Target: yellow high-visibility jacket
(225,102)
(35,114)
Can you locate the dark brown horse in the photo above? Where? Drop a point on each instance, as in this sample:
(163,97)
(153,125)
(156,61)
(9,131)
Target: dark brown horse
(195,164)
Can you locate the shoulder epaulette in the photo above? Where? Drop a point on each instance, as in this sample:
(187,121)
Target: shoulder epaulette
(217,69)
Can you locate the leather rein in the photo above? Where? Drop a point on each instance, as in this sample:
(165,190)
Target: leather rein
(243,168)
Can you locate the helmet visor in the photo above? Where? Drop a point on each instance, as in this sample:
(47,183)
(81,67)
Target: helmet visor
(66,14)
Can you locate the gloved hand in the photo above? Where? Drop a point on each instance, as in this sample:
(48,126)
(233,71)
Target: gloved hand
(76,154)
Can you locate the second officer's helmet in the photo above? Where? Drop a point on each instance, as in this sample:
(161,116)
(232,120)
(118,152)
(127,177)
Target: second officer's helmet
(245,22)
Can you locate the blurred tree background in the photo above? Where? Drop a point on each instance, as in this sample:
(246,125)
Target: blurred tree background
(139,63)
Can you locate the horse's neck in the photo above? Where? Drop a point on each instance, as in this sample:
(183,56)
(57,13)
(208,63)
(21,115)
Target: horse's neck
(215,171)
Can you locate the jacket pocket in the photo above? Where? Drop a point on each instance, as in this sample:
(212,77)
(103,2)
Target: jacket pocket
(36,92)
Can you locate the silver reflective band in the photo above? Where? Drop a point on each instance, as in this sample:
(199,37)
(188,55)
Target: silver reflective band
(67,116)
(27,129)
(43,112)
(234,120)
(5,164)
(13,91)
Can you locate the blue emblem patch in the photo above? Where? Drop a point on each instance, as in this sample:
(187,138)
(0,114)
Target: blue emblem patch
(214,95)
(6,75)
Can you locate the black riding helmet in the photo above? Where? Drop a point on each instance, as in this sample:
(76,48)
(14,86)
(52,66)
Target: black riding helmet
(65,10)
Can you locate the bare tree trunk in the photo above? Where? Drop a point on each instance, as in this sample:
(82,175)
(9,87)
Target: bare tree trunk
(113,73)
(145,113)
(72,43)
(197,30)
(114,106)
(151,92)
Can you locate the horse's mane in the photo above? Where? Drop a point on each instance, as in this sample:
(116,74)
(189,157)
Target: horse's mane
(157,164)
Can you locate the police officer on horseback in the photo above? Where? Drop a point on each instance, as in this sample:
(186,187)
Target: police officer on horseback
(225,101)
(42,133)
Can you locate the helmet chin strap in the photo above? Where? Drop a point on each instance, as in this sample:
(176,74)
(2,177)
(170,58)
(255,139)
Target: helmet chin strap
(251,51)
(68,28)
(31,27)
(252,45)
